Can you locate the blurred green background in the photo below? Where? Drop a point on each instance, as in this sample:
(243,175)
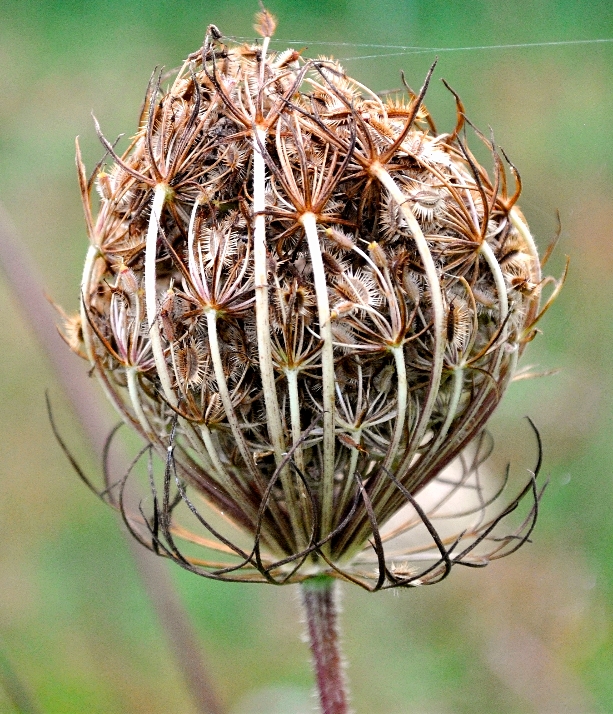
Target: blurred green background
(530,634)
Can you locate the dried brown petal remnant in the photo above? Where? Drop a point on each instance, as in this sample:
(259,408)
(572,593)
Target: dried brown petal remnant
(308,303)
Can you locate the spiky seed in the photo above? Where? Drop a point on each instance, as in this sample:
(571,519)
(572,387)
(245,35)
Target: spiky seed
(383,379)
(167,315)
(459,321)
(378,254)
(104,185)
(359,288)
(191,363)
(72,333)
(265,23)
(339,238)
(428,203)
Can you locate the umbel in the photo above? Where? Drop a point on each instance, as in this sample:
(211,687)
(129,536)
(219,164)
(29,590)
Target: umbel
(308,302)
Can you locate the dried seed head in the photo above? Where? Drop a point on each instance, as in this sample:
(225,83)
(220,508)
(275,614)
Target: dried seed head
(317,302)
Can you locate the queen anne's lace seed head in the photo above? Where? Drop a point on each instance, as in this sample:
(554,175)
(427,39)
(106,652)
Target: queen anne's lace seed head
(317,302)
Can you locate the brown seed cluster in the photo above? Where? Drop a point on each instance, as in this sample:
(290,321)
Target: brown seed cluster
(313,302)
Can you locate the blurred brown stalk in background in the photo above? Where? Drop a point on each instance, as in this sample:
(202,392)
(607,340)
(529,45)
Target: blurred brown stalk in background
(25,284)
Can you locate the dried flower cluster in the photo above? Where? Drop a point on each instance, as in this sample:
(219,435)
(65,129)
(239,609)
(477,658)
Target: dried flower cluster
(308,303)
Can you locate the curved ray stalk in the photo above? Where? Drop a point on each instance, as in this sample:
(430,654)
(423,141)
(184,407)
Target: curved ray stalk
(223,477)
(470,416)
(211,450)
(262,314)
(437,306)
(350,477)
(521,227)
(309,223)
(209,454)
(501,288)
(196,441)
(132,379)
(90,259)
(93,253)
(159,198)
(294,409)
(191,260)
(380,499)
(452,408)
(273,413)
(224,393)
(438,353)
(401,375)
